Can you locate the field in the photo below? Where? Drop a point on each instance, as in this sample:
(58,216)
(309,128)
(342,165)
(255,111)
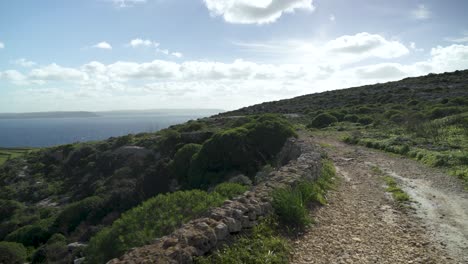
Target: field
(9,153)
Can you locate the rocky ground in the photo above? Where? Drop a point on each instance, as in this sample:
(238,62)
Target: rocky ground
(363,224)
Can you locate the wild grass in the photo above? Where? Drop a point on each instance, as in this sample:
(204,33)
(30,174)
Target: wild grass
(263,245)
(291,204)
(397,193)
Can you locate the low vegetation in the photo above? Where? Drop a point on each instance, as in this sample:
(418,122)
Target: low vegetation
(263,245)
(79,190)
(154,218)
(11,153)
(266,243)
(397,193)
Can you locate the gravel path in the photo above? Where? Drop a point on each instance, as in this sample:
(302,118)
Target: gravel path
(362,223)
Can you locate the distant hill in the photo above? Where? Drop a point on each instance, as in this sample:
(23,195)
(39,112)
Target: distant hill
(47,115)
(429,88)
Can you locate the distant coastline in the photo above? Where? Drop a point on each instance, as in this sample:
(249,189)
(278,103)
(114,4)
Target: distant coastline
(88,114)
(33,115)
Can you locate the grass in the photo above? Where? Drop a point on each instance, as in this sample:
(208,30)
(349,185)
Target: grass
(263,245)
(291,204)
(10,153)
(397,193)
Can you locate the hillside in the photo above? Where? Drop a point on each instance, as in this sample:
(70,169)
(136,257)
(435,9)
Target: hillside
(434,88)
(124,192)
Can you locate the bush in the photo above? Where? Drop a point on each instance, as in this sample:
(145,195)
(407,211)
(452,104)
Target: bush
(365,120)
(440,112)
(339,115)
(290,208)
(351,118)
(243,149)
(154,218)
(13,253)
(75,213)
(180,166)
(229,189)
(322,120)
(30,235)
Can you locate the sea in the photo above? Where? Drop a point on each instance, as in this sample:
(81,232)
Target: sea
(45,132)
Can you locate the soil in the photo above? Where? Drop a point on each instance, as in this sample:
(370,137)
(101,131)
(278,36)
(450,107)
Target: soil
(363,224)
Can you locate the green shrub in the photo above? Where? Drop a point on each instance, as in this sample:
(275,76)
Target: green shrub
(180,166)
(290,208)
(8,207)
(351,118)
(154,218)
(229,189)
(75,213)
(13,253)
(439,112)
(243,149)
(322,120)
(365,120)
(339,115)
(263,246)
(30,235)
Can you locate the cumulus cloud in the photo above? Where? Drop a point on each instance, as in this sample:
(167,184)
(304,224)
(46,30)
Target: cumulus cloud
(177,54)
(255,12)
(54,72)
(138,42)
(126,3)
(365,43)
(220,84)
(103,45)
(2,45)
(421,13)
(24,62)
(134,43)
(14,77)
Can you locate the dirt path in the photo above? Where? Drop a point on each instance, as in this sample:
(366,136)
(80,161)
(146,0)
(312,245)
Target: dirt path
(362,223)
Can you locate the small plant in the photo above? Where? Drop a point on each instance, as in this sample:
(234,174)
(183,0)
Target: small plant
(230,189)
(397,193)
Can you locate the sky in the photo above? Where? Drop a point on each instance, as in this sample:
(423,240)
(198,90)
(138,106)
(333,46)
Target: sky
(95,55)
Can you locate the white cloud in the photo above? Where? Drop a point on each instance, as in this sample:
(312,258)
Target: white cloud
(365,43)
(462,39)
(218,84)
(55,72)
(414,47)
(103,45)
(14,77)
(24,62)
(2,45)
(255,12)
(332,18)
(337,52)
(177,54)
(421,13)
(127,3)
(134,43)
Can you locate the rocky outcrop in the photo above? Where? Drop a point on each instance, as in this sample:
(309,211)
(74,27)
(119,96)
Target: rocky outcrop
(202,235)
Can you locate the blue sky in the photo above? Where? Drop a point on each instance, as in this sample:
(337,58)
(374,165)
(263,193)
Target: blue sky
(141,54)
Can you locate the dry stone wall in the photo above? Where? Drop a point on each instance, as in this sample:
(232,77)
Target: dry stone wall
(202,235)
